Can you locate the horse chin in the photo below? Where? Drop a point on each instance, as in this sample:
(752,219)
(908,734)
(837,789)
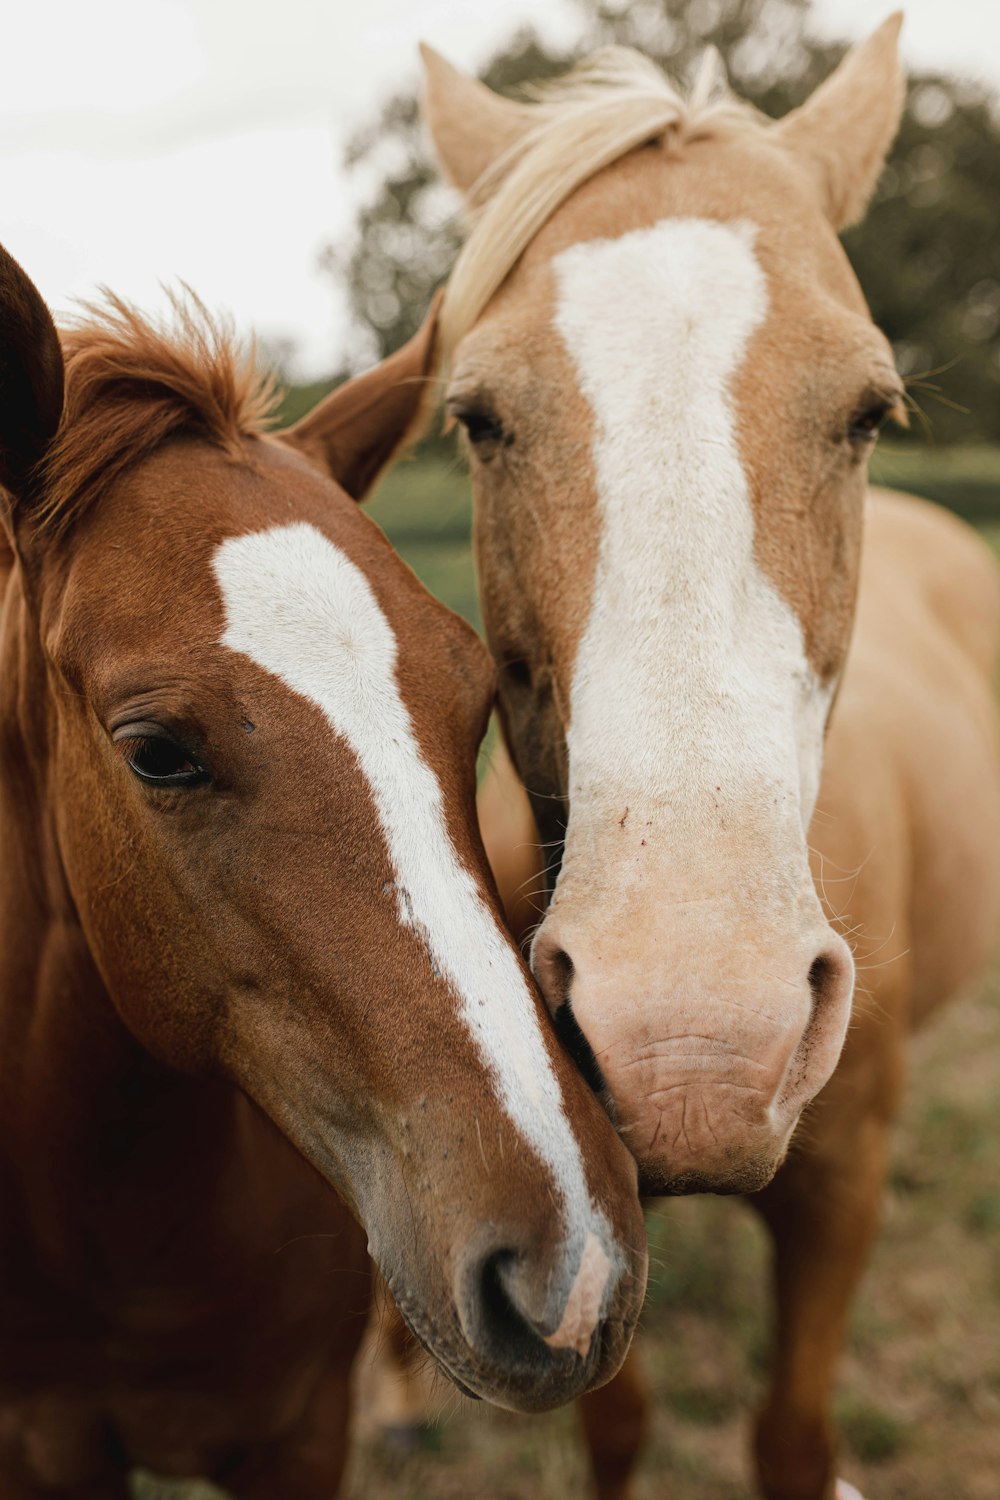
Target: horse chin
(657,1180)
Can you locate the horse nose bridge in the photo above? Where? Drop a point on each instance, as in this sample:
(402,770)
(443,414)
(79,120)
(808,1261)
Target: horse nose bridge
(644,857)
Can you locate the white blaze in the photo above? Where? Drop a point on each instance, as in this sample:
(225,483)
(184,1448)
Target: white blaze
(300,609)
(691,674)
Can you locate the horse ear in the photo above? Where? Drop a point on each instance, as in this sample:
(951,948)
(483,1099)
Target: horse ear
(471,127)
(31,377)
(355,431)
(844,130)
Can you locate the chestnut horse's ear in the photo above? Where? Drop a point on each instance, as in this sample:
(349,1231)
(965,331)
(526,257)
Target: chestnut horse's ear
(471,127)
(844,130)
(355,431)
(31,377)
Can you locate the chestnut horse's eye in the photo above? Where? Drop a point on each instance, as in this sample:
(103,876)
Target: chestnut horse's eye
(160,761)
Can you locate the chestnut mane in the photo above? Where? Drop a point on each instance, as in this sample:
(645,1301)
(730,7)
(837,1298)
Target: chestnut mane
(133,384)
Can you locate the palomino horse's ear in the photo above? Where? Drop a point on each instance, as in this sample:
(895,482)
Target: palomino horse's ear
(356,430)
(844,130)
(31,377)
(471,127)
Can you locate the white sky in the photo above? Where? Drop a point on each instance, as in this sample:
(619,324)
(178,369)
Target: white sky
(149,140)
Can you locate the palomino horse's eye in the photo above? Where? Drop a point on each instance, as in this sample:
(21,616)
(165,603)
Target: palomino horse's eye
(867,423)
(483,429)
(159,761)
(517,671)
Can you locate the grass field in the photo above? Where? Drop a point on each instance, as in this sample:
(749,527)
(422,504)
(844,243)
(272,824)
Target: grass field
(919,1398)
(424,507)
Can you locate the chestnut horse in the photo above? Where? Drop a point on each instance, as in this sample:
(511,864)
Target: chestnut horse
(670,385)
(251,951)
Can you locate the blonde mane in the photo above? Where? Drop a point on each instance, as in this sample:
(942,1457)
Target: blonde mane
(605,107)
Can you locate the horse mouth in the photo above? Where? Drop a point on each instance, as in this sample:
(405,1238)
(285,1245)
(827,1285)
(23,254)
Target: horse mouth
(562,1376)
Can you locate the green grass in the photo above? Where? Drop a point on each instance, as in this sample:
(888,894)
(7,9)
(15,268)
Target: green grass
(964,478)
(874,1436)
(424,507)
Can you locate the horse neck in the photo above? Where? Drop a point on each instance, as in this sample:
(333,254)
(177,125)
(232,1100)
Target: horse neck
(77,1091)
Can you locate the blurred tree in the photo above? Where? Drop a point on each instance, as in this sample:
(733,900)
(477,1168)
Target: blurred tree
(928,254)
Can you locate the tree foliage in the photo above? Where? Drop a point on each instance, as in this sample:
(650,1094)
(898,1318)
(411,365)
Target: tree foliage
(927,255)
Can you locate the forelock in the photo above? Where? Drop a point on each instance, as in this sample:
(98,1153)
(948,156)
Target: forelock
(132,384)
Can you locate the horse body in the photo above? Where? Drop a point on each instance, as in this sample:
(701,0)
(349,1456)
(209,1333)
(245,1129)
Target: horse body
(234,1028)
(670,386)
(906,844)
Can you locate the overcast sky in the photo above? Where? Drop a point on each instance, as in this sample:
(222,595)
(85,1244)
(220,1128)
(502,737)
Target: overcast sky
(150,140)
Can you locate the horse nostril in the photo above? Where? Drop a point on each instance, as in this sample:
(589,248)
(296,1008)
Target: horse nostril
(819,978)
(497,1292)
(553,969)
(576,1044)
(503,1325)
(830,974)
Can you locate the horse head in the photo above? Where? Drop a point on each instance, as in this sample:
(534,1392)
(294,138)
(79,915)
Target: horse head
(245,736)
(670,385)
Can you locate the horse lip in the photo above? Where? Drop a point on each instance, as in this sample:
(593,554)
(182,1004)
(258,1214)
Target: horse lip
(584,1365)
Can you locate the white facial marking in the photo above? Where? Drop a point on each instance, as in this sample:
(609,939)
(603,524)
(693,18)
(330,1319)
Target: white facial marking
(583,1305)
(298,607)
(691,675)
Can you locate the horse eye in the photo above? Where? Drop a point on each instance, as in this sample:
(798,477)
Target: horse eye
(160,761)
(518,672)
(483,428)
(867,423)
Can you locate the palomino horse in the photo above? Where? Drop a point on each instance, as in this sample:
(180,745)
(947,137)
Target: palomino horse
(250,945)
(670,385)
